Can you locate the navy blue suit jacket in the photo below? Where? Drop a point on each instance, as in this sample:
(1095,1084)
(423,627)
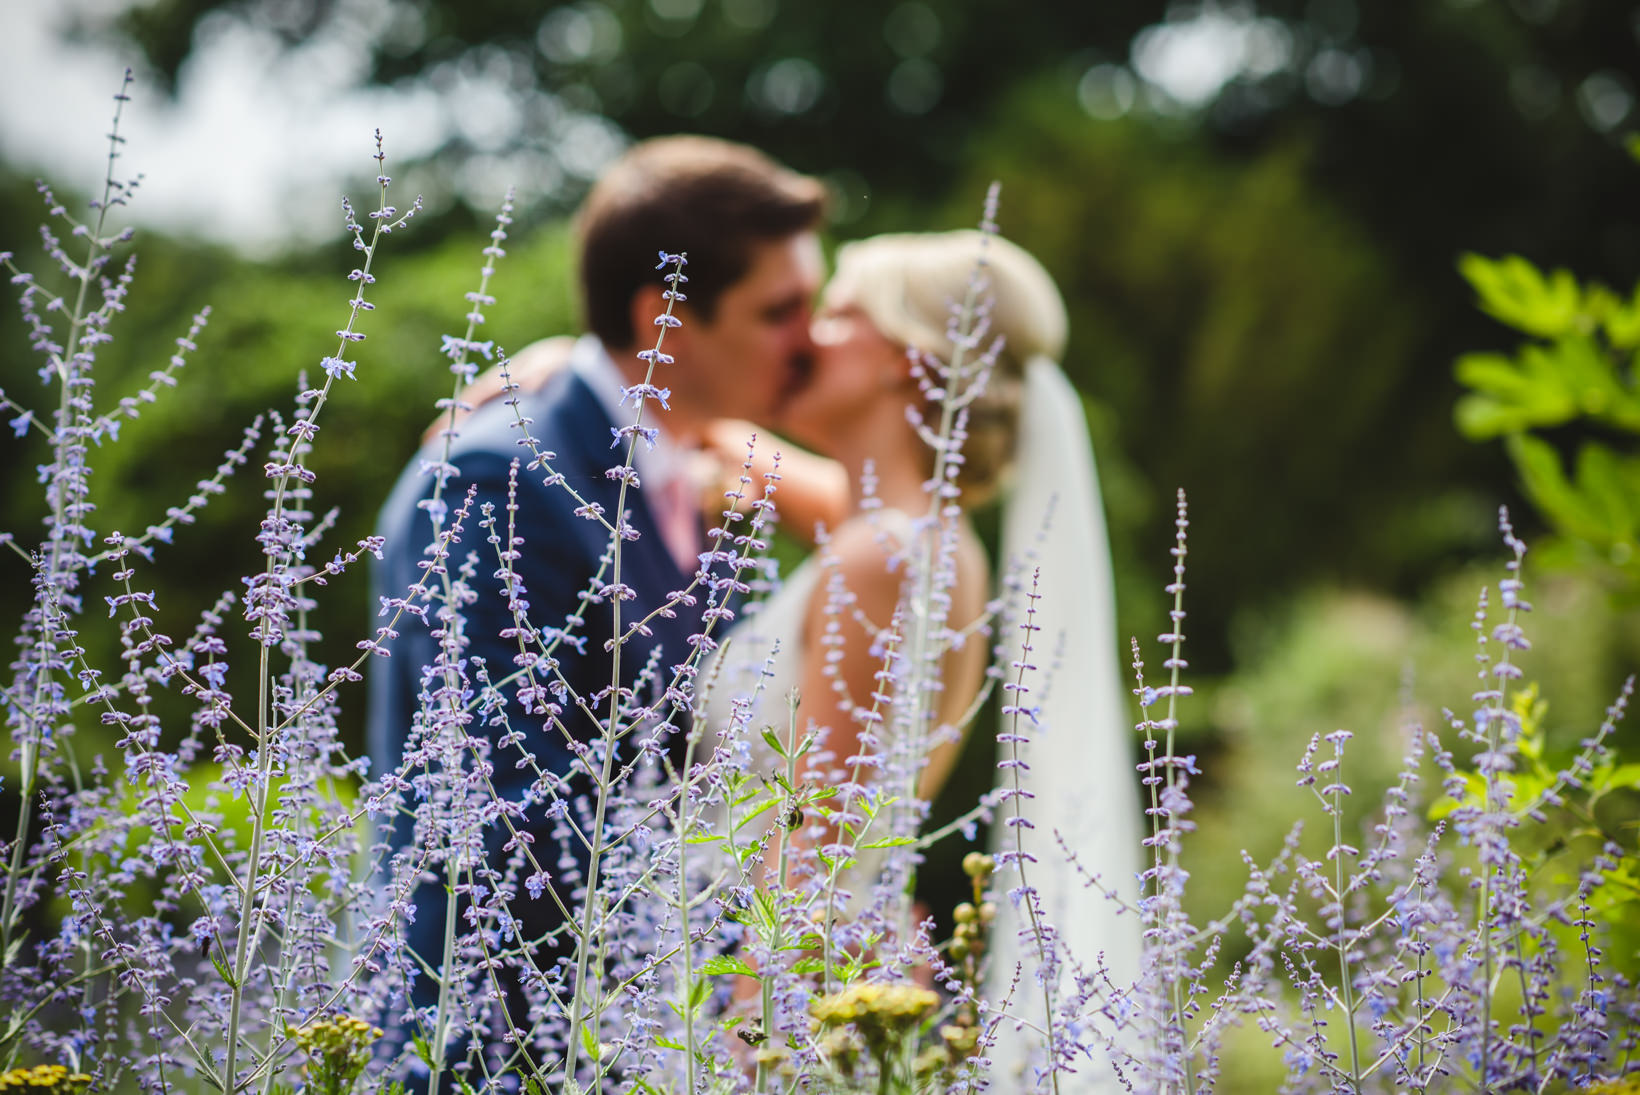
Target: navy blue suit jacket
(559,554)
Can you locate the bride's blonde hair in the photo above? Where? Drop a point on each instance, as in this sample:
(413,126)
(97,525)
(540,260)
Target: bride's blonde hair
(908,285)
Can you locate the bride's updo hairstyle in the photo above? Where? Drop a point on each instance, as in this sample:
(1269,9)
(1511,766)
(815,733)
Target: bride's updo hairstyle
(909,285)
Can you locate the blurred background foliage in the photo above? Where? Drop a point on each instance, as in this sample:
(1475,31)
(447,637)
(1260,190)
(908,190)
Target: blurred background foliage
(1255,210)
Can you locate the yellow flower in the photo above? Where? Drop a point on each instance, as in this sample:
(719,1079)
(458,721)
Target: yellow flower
(883,1014)
(1628,1085)
(45,1080)
(338,1049)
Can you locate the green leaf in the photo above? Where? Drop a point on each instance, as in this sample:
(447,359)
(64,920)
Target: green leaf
(1611,488)
(721,964)
(222,967)
(1531,746)
(1493,374)
(667,1043)
(1482,418)
(1517,293)
(772,740)
(1621,322)
(889,842)
(589,1043)
(698,992)
(768,916)
(1474,791)
(1617,317)
(757,789)
(1625,775)
(809,965)
(833,863)
(1546,484)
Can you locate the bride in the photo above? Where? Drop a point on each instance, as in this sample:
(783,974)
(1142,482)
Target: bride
(881,633)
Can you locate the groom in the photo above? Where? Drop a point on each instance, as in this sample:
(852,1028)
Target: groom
(748,227)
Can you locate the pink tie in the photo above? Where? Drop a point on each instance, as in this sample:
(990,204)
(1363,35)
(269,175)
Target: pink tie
(679,519)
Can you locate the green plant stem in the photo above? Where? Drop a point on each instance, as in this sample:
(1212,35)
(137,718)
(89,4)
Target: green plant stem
(31,742)
(264,721)
(1019,840)
(1423,1018)
(441,1017)
(1493,804)
(1341,942)
(686,944)
(284,975)
(595,854)
(1177,986)
(924,658)
(782,875)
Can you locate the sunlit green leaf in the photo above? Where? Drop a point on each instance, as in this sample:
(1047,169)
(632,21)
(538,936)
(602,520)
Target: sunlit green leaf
(1515,292)
(1625,775)
(1611,487)
(1546,484)
(721,964)
(1619,318)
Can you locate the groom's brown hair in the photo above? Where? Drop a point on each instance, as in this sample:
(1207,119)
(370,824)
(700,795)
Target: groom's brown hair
(713,199)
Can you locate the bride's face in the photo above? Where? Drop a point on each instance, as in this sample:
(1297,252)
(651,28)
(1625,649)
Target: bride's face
(856,367)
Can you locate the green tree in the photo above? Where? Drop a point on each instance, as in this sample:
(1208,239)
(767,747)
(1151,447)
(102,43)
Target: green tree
(1569,388)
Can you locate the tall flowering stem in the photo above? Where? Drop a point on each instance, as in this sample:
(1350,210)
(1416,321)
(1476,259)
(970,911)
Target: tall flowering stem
(1499,729)
(1165,776)
(268,602)
(580,1009)
(1018,823)
(39,697)
(952,386)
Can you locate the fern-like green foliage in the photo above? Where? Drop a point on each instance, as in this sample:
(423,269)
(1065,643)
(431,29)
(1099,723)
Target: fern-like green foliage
(1578,818)
(1577,369)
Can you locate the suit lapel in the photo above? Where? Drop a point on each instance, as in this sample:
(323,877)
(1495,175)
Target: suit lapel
(582,428)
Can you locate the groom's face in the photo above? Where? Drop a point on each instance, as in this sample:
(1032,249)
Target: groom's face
(757,350)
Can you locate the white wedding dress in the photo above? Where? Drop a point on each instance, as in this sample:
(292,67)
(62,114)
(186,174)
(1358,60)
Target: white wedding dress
(1079,780)
(752,677)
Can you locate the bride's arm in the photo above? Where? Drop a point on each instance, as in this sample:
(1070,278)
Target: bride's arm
(813,489)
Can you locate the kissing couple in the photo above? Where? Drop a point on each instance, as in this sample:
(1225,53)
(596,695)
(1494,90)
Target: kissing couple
(581,627)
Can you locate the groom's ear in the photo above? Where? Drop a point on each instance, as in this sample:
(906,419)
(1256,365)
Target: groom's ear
(647,303)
